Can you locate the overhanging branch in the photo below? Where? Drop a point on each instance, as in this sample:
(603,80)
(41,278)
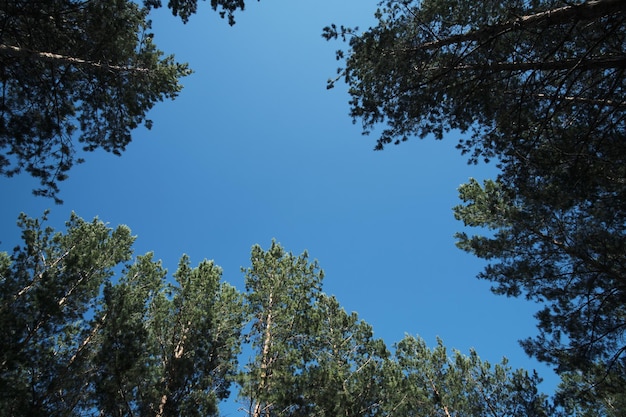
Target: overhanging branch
(62,59)
(567,64)
(589,10)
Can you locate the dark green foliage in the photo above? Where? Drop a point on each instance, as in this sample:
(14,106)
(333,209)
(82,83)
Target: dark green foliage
(49,288)
(75,74)
(200,350)
(77,340)
(186,8)
(571,259)
(498,69)
(314,359)
(281,291)
(80,75)
(168,350)
(579,395)
(348,375)
(126,357)
(433,383)
(89,331)
(538,86)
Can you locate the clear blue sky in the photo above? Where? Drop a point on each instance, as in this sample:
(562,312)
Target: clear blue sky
(256,148)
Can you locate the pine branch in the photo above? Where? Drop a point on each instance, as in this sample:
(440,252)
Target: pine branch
(264,359)
(584,100)
(568,64)
(62,59)
(589,10)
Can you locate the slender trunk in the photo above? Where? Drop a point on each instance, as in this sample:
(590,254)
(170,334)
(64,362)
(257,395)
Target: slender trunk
(568,64)
(440,400)
(179,349)
(87,340)
(65,60)
(585,100)
(264,358)
(589,10)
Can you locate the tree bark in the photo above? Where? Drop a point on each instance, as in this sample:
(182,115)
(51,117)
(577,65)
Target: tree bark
(568,64)
(265,357)
(62,59)
(589,10)
(178,353)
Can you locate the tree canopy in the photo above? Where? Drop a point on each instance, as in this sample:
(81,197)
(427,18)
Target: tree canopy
(186,8)
(434,383)
(81,75)
(311,357)
(75,74)
(537,87)
(91,330)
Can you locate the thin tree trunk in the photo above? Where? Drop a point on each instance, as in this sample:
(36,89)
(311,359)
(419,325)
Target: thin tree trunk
(264,358)
(589,10)
(568,64)
(437,395)
(66,60)
(178,353)
(597,102)
(87,340)
(586,11)
(595,63)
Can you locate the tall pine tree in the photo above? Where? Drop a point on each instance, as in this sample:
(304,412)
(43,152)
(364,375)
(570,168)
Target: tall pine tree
(539,87)
(281,292)
(75,75)
(89,331)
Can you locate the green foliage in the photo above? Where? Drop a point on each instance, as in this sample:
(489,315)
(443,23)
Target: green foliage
(580,395)
(170,349)
(498,69)
(539,87)
(49,290)
(569,258)
(281,290)
(186,8)
(87,330)
(126,357)
(347,376)
(80,75)
(91,331)
(430,382)
(75,74)
(314,359)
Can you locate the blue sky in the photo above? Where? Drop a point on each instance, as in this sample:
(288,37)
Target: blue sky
(256,148)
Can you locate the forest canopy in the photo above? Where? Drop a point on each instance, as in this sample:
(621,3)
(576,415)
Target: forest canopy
(535,87)
(538,87)
(81,75)
(92,329)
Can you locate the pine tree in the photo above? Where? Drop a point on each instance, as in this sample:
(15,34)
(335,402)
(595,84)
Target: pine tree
(311,357)
(281,291)
(75,74)
(348,376)
(432,382)
(49,289)
(537,86)
(88,331)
